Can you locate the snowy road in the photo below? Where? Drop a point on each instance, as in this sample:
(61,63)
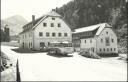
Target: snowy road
(41,67)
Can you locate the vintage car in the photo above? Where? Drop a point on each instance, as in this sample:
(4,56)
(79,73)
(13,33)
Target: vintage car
(64,49)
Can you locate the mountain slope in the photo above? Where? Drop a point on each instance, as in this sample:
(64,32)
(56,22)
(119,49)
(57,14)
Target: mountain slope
(15,24)
(81,13)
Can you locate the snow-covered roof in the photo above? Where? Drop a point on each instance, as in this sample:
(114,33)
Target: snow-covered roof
(100,27)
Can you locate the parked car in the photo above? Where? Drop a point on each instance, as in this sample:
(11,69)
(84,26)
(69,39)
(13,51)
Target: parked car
(89,54)
(54,51)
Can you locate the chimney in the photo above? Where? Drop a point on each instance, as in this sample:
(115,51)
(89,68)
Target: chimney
(33,17)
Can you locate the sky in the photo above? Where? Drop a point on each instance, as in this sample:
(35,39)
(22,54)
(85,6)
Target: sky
(27,8)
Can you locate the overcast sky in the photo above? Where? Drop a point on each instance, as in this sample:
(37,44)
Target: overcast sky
(27,8)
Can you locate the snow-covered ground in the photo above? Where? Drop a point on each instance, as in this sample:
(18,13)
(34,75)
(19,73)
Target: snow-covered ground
(42,67)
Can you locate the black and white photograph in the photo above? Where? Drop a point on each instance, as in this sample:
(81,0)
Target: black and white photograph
(64,40)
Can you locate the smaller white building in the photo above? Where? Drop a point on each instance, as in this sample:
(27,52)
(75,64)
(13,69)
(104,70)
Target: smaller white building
(98,38)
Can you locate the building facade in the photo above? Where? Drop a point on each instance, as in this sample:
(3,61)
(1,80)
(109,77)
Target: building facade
(98,38)
(44,30)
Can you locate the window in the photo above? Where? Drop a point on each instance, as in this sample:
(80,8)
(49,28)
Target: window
(53,18)
(44,24)
(85,41)
(65,34)
(101,40)
(23,44)
(52,25)
(29,45)
(42,44)
(112,40)
(47,34)
(53,34)
(107,49)
(90,40)
(107,41)
(104,49)
(92,49)
(111,49)
(114,49)
(59,34)
(59,25)
(40,34)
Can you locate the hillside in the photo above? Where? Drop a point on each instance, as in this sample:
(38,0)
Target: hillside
(15,24)
(81,13)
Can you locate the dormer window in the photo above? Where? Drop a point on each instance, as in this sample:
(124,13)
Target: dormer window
(53,18)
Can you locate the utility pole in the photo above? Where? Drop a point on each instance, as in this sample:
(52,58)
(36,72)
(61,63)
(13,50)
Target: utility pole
(18,79)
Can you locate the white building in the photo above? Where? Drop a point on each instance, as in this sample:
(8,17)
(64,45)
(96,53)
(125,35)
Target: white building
(48,28)
(98,38)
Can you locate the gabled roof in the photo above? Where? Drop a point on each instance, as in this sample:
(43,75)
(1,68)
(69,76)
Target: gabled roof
(100,27)
(33,24)
(53,13)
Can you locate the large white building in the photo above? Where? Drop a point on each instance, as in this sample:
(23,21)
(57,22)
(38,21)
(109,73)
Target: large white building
(44,30)
(98,38)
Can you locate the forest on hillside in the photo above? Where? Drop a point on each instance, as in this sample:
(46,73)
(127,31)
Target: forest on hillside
(81,13)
